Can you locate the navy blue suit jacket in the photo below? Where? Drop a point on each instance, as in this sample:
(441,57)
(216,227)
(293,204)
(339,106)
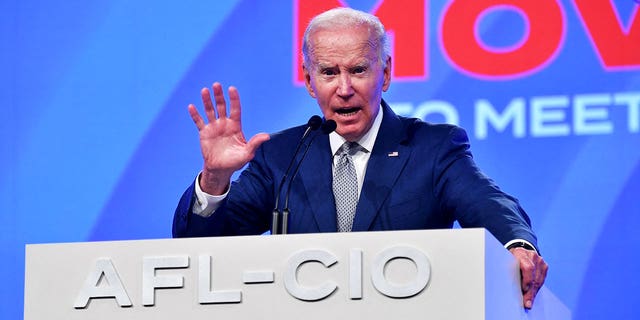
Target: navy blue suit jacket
(419,176)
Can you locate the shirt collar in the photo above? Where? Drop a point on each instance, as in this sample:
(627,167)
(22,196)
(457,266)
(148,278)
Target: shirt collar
(367,141)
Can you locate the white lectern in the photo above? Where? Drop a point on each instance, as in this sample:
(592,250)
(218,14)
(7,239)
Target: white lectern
(434,274)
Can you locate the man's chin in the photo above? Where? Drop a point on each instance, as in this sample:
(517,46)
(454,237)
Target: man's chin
(351,134)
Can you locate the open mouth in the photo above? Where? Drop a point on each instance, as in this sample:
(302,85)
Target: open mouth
(348,111)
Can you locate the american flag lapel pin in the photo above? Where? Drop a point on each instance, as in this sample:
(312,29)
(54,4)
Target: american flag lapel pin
(393,154)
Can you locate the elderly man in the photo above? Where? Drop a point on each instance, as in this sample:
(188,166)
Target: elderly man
(377,171)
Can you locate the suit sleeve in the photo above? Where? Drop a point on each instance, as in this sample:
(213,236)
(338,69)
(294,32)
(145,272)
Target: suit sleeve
(188,224)
(473,198)
(245,211)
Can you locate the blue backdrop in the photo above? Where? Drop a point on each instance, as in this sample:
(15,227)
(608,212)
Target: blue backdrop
(97,144)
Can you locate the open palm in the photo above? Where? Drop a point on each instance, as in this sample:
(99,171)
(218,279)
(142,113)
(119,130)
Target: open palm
(222,142)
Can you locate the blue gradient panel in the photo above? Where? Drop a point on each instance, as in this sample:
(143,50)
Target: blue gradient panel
(96,142)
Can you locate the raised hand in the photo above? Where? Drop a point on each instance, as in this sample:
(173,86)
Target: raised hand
(222,142)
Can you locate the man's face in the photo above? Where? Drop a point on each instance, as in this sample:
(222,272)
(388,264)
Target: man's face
(347,79)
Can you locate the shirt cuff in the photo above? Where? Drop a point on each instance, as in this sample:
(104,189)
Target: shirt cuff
(206,204)
(521,240)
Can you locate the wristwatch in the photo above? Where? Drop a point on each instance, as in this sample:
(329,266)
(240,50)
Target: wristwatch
(521,244)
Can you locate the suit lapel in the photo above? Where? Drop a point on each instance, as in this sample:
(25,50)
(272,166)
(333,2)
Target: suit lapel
(387,160)
(316,175)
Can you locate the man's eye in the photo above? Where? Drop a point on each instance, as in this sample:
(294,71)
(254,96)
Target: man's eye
(328,72)
(357,70)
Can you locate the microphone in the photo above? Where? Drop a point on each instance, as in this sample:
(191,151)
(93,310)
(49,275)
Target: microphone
(313,124)
(326,128)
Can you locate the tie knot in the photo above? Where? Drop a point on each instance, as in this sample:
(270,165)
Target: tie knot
(349,148)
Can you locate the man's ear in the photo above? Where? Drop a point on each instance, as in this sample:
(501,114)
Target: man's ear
(307,81)
(387,75)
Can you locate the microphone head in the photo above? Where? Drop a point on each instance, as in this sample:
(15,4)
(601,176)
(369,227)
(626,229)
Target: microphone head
(314,122)
(329,126)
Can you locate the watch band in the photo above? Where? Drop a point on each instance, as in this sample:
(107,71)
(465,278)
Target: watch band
(521,244)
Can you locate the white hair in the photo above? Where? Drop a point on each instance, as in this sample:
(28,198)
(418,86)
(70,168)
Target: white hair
(344,17)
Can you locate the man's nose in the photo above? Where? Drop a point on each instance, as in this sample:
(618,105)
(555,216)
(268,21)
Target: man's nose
(345,87)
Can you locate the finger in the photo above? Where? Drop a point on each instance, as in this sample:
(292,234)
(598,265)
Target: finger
(235,108)
(208,105)
(540,272)
(221,104)
(256,141)
(195,116)
(528,272)
(543,270)
(529,296)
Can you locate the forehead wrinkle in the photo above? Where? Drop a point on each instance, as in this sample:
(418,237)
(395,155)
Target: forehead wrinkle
(332,56)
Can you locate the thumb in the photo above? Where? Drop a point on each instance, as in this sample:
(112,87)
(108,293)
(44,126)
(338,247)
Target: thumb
(529,296)
(257,140)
